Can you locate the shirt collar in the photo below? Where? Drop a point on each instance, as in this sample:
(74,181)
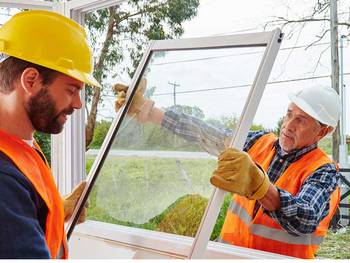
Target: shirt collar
(295,154)
(29,142)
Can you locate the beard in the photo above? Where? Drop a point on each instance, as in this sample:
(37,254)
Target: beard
(43,114)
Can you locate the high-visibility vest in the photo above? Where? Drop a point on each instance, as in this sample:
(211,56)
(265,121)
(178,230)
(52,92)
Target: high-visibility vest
(261,232)
(38,173)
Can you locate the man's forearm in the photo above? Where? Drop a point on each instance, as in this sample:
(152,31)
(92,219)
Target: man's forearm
(271,201)
(156,116)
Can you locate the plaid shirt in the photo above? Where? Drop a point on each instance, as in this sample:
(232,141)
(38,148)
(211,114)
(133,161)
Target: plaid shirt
(299,214)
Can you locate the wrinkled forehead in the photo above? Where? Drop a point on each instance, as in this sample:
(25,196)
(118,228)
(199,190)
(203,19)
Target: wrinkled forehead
(297,111)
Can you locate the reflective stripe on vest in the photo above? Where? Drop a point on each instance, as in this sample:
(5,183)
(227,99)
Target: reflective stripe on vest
(240,211)
(272,233)
(261,231)
(34,168)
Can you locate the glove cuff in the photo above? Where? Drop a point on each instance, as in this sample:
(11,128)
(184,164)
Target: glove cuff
(262,189)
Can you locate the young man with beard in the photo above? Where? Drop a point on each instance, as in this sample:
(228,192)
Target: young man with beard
(45,61)
(285,188)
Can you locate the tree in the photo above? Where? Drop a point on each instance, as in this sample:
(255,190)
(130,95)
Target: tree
(277,130)
(194,111)
(318,14)
(322,13)
(44,141)
(100,133)
(126,29)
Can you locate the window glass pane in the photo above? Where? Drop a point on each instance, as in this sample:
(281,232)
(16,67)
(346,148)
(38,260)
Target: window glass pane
(156,175)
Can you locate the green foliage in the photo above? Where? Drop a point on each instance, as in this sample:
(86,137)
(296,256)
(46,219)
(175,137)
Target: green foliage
(119,36)
(221,218)
(100,133)
(277,130)
(135,136)
(223,122)
(326,144)
(193,111)
(44,141)
(136,21)
(257,127)
(184,217)
(88,163)
(150,189)
(229,122)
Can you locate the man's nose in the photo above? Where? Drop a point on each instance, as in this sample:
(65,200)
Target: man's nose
(76,103)
(288,124)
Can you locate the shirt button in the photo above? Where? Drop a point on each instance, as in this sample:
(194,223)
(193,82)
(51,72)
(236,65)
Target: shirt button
(281,160)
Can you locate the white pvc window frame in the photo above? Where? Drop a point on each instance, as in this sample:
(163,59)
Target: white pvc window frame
(272,41)
(68,147)
(28,4)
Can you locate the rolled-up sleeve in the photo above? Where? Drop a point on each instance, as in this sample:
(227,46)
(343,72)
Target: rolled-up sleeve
(301,214)
(209,138)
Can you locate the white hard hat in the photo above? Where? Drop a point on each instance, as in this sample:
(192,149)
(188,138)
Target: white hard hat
(322,103)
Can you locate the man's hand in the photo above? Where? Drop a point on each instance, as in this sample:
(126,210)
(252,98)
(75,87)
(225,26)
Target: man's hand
(70,201)
(237,173)
(138,101)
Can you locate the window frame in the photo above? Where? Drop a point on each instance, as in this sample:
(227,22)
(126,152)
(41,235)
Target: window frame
(271,40)
(68,153)
(28,4)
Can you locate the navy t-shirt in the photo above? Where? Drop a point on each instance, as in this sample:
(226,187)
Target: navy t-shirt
(22,215)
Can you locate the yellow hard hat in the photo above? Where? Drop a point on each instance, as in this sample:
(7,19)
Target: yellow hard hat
(50,40)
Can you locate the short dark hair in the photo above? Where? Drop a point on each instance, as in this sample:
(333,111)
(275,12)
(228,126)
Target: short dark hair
(12,67)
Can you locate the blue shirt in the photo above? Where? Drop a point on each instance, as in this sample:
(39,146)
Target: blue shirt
(22,215)
(299,214)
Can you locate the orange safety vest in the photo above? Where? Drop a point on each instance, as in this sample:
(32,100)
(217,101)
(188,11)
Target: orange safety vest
(38,173)
(261,232)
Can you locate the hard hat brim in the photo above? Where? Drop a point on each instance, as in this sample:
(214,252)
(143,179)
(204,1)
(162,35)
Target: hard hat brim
(304,107)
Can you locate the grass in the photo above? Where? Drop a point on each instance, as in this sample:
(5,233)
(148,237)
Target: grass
(336,245)
(135,191)
(165,195)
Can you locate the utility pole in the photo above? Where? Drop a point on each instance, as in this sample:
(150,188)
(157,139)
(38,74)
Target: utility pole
(335,69)
(343,147)
(174,84)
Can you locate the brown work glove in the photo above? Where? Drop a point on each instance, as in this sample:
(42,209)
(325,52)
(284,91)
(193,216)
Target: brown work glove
(70,201)
(237,173)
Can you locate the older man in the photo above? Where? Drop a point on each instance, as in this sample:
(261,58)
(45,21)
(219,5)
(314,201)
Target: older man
(286,187)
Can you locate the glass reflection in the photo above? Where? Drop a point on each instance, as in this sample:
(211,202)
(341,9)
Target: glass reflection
(187,103)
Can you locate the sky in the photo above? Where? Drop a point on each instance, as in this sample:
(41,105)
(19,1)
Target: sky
(296,66)
(220,17)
